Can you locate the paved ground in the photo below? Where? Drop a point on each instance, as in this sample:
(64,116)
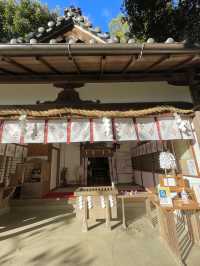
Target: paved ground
(54,238)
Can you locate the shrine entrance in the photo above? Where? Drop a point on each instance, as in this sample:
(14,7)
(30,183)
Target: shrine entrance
(98,173)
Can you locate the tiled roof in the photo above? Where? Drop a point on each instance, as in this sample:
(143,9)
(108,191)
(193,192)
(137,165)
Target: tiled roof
(73,17)
(52,32)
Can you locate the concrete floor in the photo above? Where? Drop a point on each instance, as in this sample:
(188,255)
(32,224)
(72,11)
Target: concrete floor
(54,238)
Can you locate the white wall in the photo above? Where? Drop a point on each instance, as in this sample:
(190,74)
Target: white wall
(135,92)
(123,163)
(109,92)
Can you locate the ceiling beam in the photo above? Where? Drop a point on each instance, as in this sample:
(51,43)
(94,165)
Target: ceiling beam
(91,77)
(157,63)
(16,64)
(73,60)
(183,63)
(47,64)
(5,71)
(132,60)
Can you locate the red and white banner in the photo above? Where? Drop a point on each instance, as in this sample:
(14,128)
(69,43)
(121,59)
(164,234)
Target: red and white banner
(94,130)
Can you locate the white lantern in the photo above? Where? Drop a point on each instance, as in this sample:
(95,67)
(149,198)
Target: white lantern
(167,161)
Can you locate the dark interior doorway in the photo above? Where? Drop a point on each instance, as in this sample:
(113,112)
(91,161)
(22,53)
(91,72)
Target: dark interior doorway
(98,172)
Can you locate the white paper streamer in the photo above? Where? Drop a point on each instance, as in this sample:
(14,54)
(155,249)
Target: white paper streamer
(89,200)
(80,202)
(111,201)
(102,202)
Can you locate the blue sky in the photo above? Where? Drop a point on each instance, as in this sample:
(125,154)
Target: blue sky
(100,12)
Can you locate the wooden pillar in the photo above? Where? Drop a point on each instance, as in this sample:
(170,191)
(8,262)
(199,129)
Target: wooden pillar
(195,225)
(149,211)
(124,226)
(108,223)
(167,227)
(85,215)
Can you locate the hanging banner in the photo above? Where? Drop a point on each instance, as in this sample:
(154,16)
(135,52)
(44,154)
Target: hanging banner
(11,132)
(168,128)
(34,131)
(96,130)
(80,130)
(187,132)
(102,129)
(57,131)
(125,130)
(147,129)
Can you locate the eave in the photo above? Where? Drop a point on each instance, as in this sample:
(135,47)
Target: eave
(50,63)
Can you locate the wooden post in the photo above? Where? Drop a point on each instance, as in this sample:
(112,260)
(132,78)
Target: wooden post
(149,211)
(124,226)
(167,227)
(108,224)
(195,225)
(85,214)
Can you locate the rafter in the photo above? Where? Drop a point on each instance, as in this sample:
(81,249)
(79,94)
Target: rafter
(157,63)
(130,62)
(47,64)
(184,62)
(14,63)
(5,71)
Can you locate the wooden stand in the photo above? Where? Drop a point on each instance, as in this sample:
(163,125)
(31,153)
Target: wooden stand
(97,211)
(167,221)
(138,195)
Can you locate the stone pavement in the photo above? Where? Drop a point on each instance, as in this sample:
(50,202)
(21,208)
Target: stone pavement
(31,237)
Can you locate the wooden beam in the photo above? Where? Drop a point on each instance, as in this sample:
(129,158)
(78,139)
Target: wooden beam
(155,64)
(5,71)
(47,64)
(183,63)
(130,62)
(14,63)
(102,64)
(71,58)
(90,77)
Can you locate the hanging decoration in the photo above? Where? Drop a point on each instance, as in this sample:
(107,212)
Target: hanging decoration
(80,202)
(102,129)
(102,202)
(180,123)
(89,200)
(167,161)
(22,121)
(111,201)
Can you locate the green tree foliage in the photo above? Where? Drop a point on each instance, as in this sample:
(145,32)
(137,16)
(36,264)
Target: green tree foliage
(161,19)
(18,18)
(119,28)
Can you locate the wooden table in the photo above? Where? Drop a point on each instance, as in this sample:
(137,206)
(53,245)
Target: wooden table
(167,221)
(136,196)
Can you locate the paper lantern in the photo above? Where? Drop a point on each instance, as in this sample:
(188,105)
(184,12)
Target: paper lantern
(167,161)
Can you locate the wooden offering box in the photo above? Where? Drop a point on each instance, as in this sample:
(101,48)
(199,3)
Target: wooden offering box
(96,203)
